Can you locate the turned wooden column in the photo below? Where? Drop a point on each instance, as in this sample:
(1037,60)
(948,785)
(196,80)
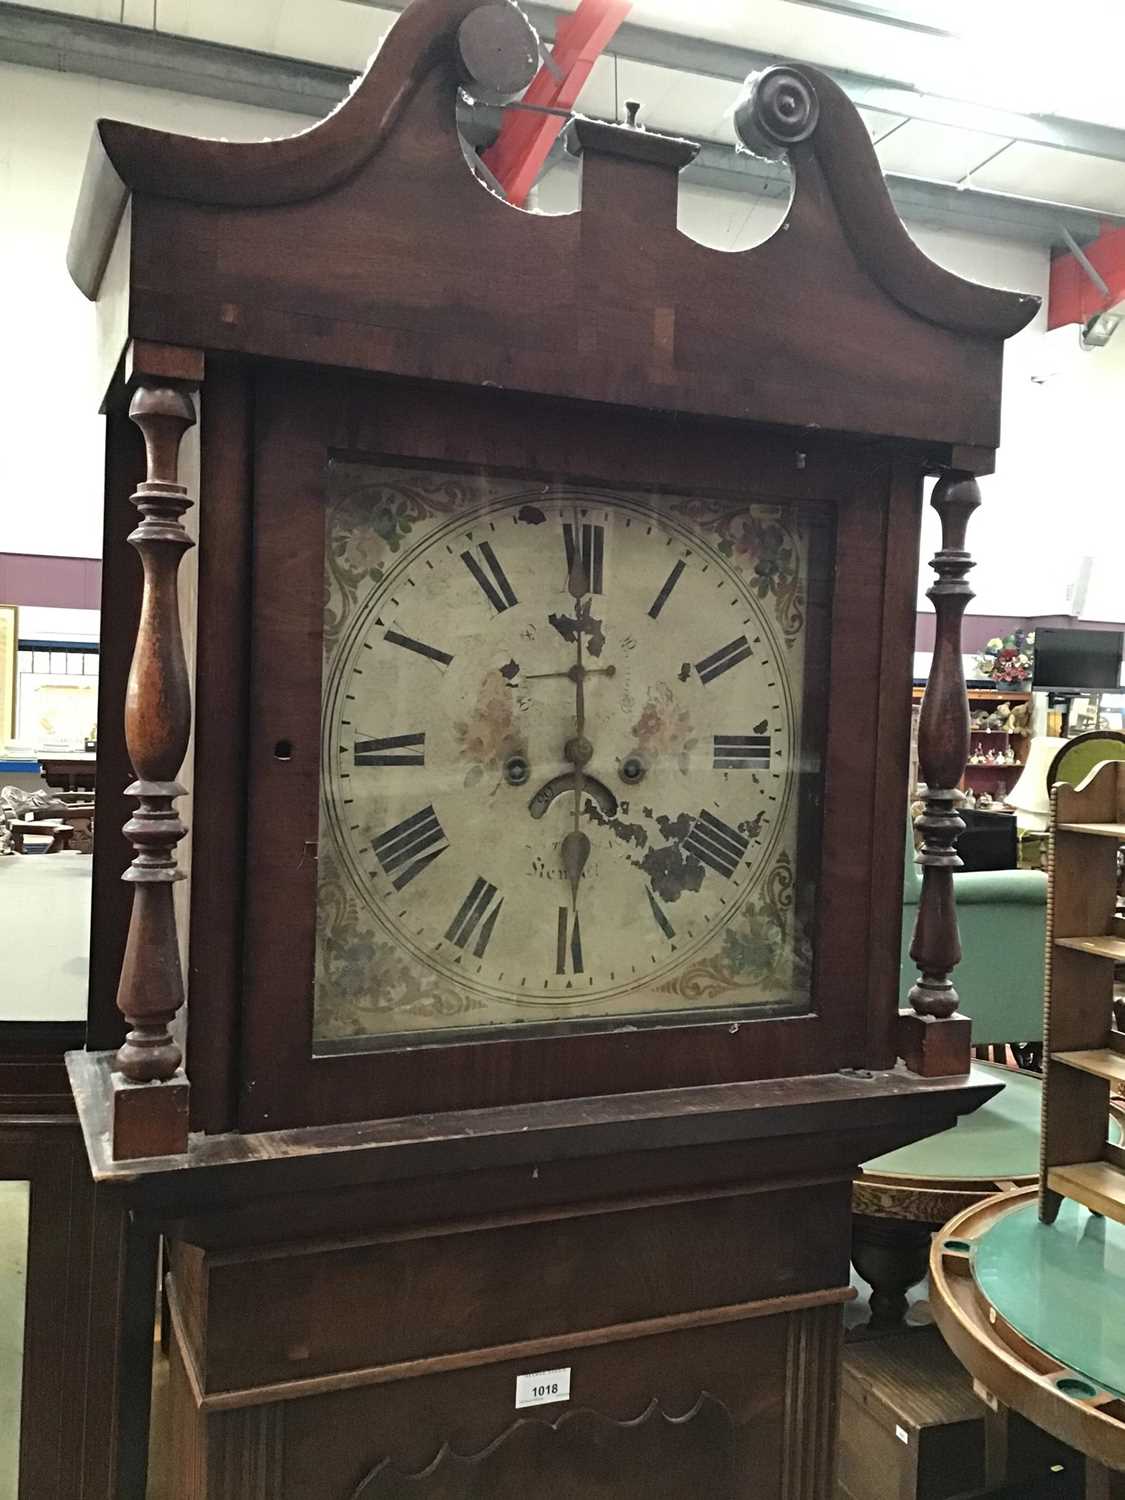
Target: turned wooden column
(933,1038)
(150,1093)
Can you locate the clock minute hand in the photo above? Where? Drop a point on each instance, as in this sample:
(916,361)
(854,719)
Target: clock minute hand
(578,586)
(576,845)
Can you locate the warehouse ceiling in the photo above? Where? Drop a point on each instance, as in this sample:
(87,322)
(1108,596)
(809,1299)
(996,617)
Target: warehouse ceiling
(984,110)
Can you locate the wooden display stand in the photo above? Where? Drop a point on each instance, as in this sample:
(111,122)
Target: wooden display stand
(1085,1049)
(638,1207)
(1023,1285)
(1012,1374)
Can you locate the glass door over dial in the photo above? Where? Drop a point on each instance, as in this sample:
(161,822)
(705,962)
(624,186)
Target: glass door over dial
(570,754)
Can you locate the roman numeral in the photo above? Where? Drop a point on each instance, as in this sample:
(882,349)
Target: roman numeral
(410,846)
(742,752)
(661,918)
(475,905)
(496,588)
(717,844)
(396,750)
(669,584)
(593,552)
(722,660)
(569,946)
(422,649)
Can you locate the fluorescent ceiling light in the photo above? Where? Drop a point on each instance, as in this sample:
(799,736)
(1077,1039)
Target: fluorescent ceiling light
(1030,60)
(1025,59)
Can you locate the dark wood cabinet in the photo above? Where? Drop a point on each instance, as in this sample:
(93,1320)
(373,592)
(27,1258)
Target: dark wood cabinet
(540,1005)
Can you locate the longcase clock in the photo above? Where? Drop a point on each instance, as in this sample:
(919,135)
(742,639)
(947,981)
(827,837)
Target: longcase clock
(537,696)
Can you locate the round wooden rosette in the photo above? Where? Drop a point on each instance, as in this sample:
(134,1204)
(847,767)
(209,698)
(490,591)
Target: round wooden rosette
(1012,1370)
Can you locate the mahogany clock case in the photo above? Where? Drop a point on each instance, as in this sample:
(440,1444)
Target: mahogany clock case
(261,607)
(358,1237)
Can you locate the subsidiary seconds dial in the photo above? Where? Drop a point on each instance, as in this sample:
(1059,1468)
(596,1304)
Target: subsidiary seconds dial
(558,742)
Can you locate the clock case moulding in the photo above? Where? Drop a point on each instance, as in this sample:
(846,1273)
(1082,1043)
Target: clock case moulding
(357,286)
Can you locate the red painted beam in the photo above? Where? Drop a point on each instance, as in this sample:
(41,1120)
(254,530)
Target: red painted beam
(1074,298)
(518,153)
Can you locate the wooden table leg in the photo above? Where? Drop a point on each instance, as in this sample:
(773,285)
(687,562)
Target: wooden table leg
(995,1444)
(891,1255)
(1103,1483)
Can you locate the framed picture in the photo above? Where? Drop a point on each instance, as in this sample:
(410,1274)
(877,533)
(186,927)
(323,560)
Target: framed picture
(9,661)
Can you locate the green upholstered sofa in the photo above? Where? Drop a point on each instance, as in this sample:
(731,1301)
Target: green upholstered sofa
(1002,915)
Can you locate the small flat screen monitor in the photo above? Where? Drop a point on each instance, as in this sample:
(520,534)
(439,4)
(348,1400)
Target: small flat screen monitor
(1077,660)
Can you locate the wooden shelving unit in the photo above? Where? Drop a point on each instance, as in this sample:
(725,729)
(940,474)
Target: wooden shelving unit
(982,695)
(996,778)
(1085,1050)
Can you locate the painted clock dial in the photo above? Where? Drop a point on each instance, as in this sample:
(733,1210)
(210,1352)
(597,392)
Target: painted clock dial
(563,754)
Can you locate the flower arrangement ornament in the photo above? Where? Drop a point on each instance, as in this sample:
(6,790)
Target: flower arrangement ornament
(1008,660)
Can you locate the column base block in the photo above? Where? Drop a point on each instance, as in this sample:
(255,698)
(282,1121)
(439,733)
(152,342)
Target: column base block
(933,1047)
(150,1119)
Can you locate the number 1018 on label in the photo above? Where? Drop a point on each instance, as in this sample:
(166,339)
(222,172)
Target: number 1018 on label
(542,1387)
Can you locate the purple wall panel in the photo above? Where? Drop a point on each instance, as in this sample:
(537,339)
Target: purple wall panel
(979,629)
(50,582)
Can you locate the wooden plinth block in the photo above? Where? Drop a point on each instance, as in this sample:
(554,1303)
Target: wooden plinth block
(932,1046)
(163,362)
(150,1119)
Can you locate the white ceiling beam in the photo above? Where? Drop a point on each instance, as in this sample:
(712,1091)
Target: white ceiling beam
(690,54)
(105,49)
(862,10)
(131,54)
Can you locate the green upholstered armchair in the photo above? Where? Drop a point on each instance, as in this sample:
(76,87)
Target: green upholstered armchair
(1002,915)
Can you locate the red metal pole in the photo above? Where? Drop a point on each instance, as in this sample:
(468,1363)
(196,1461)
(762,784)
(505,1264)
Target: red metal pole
(1074,297)
(518,153)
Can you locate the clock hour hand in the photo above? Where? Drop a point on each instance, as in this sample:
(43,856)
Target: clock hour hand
(575,853)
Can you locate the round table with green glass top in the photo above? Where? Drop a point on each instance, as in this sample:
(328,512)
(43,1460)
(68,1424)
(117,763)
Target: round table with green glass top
(900,1199)
(1036,1314)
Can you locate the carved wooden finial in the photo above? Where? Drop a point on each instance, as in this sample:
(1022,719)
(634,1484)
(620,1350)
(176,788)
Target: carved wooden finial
(497,51)
(157,728)
(777,109)
(943,749)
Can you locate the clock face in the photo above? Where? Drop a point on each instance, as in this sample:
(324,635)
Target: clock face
(563,759)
